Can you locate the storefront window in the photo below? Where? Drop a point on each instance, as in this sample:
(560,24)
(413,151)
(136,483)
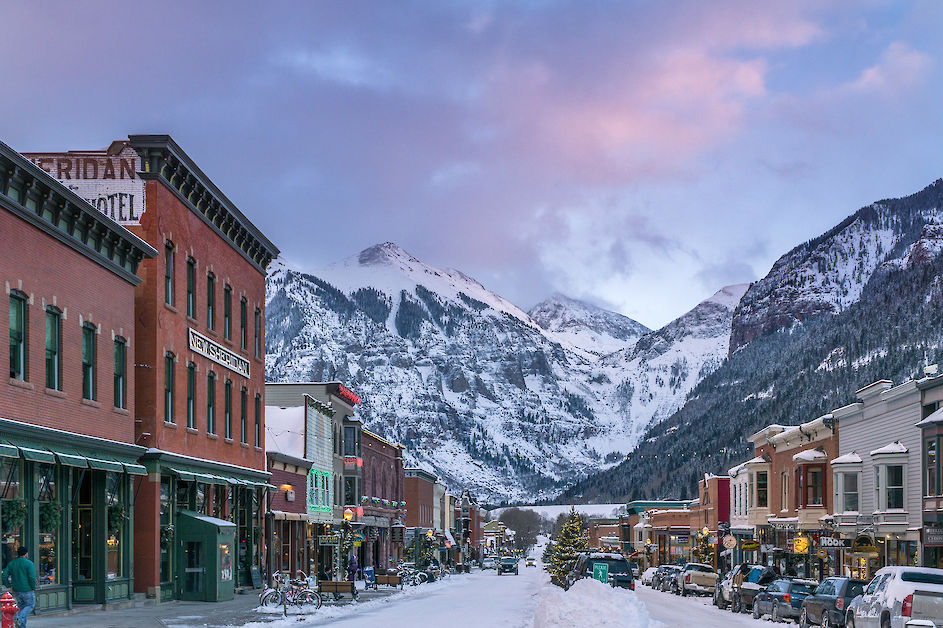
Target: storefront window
(200,505)
(12,509)
(50,519)
(166,530)
(117,518)
(82,531)
(220,495)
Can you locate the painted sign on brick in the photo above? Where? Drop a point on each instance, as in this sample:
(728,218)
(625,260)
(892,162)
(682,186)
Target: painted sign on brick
(108,180)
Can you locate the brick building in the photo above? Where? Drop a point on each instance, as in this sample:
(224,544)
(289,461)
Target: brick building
(199,358)
(420,493)
(383,499)
(287,515)
(67,454)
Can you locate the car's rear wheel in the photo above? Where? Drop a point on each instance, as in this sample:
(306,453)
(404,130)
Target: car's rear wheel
(737,604)
(804,618)
(756,610)
(775,614)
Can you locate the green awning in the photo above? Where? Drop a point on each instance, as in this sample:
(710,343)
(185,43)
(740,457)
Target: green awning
(100,464)
(9,451)
(71,459)
(186,476)
(135,469)
(37,455)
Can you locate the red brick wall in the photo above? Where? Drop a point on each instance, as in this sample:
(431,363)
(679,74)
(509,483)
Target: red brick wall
(298,482)
(419,493)
(161,328)
(51,273)
(382,476)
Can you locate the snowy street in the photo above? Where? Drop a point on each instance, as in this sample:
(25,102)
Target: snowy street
(675,611)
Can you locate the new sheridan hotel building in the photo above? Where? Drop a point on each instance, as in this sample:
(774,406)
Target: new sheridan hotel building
(197,370)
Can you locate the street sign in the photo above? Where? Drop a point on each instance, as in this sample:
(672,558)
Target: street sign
(730,541)
(601,572)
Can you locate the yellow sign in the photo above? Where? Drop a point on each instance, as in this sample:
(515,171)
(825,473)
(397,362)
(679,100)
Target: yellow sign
(800,545)
(823,554)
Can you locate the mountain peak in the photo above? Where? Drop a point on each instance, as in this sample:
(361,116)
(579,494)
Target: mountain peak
(586,326)
(385,254)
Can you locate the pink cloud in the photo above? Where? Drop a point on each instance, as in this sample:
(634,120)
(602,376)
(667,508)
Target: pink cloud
(899,67)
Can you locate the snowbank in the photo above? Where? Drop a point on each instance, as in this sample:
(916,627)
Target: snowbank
(590,602)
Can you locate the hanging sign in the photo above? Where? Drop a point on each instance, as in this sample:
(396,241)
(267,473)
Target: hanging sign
(750,546)
(800,545)
(730,541)
(864,544)
(329,539)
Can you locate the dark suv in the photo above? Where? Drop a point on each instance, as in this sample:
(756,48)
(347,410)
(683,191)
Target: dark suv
(828,603)
(508,564)
(782,599)
(619,571)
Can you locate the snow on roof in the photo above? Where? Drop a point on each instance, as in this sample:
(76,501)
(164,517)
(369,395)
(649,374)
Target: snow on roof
(935,417)
(757,460)
(285,430)
(733,471)
(891,448)
(810,455)
(852,458)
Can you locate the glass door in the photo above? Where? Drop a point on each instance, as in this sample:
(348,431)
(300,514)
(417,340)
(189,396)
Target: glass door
(193,571)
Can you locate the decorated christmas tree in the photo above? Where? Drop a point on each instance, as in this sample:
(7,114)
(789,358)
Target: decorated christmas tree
(569,543)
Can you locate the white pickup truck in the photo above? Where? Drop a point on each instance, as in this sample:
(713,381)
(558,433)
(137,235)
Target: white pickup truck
(697,578)
(900,597)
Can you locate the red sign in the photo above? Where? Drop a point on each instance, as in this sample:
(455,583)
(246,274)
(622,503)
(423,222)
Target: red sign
(344,393)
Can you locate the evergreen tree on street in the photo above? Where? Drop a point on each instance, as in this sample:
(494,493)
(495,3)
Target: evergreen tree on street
(569,543)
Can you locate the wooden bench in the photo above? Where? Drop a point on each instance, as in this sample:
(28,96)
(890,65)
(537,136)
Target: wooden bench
(389,580)
(337,588)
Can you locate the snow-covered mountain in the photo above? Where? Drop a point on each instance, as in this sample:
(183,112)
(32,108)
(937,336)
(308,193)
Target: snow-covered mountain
(827,274)
(585,326)
(650,381)
(479,391)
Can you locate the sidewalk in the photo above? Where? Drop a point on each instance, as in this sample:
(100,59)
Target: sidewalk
(236,612)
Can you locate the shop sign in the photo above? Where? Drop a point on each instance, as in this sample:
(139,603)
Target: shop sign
(834,543)
(933,536)
(218,353)
(750,545)
(800,545)
(730,541)
(823,554)
(864,544)
(329,539)
(358,536)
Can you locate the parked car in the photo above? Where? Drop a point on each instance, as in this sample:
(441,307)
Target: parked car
(828,603)
(488,562)
(530,562)
(782,599)
(899,597)
(755,581)
(649,575)
(669,578)
(635,570)
(619,571)
(696,578)
(723,592)
(508,564)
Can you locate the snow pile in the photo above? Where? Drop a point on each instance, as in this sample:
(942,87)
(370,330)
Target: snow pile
(591,602)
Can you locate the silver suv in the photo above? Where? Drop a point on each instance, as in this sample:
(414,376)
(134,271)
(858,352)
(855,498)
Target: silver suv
(899,597)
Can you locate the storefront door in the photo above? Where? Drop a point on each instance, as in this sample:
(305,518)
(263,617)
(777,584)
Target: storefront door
(194,572)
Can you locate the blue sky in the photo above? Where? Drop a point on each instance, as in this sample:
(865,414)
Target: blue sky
(638,155)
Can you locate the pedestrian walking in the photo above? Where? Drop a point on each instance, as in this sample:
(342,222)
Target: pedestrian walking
(20,575)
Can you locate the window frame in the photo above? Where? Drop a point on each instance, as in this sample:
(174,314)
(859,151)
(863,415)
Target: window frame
(931,474)
(244,322)
(211,301)
(191,287)
(762,491)
(211,402)
(227,409)
(191,395)
(169,387)
(243,415)
(89,361)
(845,492)
(169,283)
(20,350)
(120,379)
(227,312)
(258,420)
(257,322)
(54,361)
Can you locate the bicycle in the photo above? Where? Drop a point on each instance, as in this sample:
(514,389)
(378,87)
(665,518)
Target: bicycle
(290,592)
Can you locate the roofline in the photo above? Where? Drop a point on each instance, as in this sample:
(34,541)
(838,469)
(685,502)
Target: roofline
(383,440)
(279,456)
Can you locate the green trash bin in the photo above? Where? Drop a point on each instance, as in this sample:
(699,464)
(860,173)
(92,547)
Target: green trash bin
(205,557)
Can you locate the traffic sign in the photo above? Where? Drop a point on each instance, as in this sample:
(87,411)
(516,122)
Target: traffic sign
(601,572)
